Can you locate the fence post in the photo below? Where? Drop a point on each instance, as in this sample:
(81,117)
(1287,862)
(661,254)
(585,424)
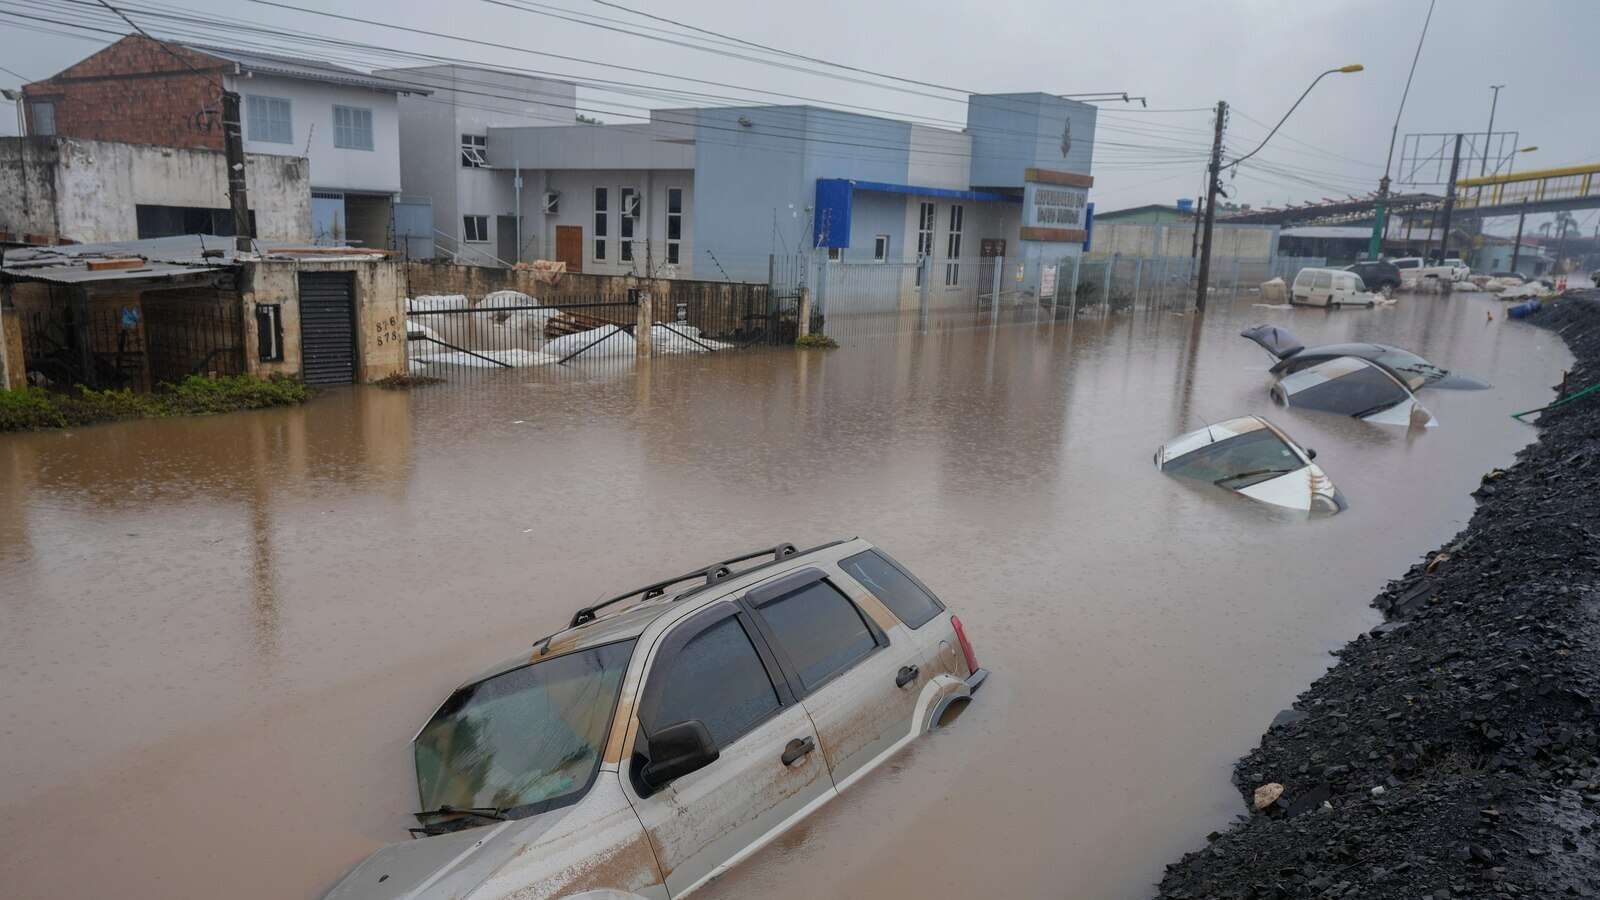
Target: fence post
(926,274)
(1138,274)
(1236,275)
(805,313)
(997,263)
(641,332)
(13,371)
(1105,292)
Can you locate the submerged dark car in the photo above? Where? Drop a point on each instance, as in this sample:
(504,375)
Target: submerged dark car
(1378,274)
(1416,372)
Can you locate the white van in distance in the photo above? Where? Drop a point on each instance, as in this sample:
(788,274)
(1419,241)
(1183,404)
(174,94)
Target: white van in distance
(1330,287)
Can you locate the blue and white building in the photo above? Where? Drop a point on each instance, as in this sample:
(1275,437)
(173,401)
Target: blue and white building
(719,192)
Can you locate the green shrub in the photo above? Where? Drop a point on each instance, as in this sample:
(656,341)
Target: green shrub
(404,381)
(26,409)
(816,342)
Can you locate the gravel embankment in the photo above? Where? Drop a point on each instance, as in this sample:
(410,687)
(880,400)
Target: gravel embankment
(1455,750)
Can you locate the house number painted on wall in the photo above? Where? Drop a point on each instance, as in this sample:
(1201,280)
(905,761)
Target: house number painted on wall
(388,331)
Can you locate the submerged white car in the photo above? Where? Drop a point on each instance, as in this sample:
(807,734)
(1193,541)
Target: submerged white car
(640,753)
(1252,457)
(1354,387)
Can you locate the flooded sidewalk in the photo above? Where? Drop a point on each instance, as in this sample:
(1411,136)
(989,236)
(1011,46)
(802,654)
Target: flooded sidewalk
(217,636)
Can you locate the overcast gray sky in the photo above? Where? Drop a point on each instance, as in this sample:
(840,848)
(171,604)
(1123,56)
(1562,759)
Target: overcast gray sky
(1256,54)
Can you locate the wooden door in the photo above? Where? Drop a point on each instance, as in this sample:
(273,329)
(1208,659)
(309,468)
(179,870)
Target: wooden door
(569,246)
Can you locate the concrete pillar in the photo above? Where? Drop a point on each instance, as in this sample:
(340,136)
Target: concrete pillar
(641,331)
(13,369)
(805,312)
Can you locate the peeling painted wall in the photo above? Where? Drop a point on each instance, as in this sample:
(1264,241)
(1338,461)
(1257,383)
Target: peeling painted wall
(88,191)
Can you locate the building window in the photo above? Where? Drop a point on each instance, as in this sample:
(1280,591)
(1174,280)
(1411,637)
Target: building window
(475,229)
(952,266)
(472,151)
(925,220)
(44,117)
(352,128)
(674,223)
(835,253)
(167,221)
(269,332)
(628,209)
(880,248)
(601,214)
(267,119)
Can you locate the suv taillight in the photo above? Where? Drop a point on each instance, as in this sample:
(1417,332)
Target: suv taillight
(966,645)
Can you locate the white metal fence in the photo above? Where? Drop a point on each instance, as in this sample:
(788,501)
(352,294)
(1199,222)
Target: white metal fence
(885,297)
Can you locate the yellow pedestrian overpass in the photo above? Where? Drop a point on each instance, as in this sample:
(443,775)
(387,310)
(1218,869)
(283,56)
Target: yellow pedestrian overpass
(1534,191)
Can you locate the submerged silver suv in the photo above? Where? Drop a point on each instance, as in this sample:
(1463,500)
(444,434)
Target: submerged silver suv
(642,752)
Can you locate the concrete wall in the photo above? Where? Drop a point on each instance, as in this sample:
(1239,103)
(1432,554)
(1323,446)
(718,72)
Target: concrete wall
(87,191)
(1257,242)
(380,312)
(311,120)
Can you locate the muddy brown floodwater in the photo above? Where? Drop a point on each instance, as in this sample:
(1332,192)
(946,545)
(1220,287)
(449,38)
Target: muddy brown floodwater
(218,635)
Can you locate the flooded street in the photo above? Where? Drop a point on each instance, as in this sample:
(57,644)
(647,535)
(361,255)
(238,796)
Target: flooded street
(217,636)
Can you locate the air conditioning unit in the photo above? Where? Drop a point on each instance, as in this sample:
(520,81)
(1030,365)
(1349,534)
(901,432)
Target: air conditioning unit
(552,203)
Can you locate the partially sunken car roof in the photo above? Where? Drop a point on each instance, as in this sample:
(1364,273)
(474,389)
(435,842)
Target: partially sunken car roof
(1185,444)
(618,626)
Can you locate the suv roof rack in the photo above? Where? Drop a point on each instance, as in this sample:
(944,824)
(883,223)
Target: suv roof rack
(709,575)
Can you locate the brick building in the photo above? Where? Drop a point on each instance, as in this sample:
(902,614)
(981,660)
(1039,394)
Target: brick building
(345,122)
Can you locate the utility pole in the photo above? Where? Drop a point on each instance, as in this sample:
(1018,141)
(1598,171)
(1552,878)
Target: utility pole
(1450,201)
(1213,185)
(1380,209)
(1516,249)
(233,150)
(1489,135)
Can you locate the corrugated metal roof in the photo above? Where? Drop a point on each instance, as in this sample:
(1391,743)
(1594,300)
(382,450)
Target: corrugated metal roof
(1337,232)
(165,257)
(75,272)
(308,69)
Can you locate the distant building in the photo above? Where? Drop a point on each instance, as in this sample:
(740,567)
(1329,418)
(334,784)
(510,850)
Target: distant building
(444,136)
(345,122)
(1150,214)
(1496,252)
(719,191)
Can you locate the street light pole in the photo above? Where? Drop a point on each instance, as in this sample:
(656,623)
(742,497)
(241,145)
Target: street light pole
(1215,173)
(1489,135)
(1375,245)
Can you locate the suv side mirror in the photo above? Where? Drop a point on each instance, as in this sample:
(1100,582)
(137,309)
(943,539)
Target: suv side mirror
(675,751)
(1310,453)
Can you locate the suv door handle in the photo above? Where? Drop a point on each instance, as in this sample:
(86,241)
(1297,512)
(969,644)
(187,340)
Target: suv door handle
(906,675)
(798,748)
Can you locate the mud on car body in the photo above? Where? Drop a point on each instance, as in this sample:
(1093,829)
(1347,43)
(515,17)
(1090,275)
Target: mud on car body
(642,752)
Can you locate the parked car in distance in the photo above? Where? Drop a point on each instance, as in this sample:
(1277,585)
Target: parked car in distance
(1353,387)
(1252,457)
(1453,268)
(1377,274)
(1410,269)
(644,750)
(1518,276)
(1330,287)
(1292,355)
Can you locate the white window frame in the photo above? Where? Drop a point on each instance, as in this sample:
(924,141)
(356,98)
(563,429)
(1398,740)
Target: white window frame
(261,123)
(473,151)
(952,265)
(674,250)
(626,222)
(602,216)
(47,127)
(880,248)
(927,218)
(467,221)
(348,136)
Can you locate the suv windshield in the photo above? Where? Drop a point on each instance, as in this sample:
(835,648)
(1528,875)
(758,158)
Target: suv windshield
(533,735)
(1238,462)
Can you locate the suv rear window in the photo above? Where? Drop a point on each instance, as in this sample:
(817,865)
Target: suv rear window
(889,583)
(819,630)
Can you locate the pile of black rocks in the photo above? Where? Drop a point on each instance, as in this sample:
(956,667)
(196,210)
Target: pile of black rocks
(1454,751)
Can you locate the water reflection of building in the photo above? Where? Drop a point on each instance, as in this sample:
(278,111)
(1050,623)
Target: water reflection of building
(230,475)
